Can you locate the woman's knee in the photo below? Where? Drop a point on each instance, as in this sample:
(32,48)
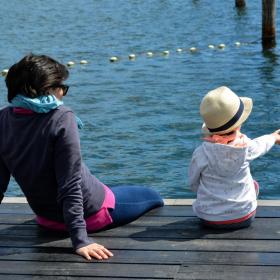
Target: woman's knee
(136,194)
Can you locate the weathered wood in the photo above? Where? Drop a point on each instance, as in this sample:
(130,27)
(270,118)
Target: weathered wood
(87,269)
(240,3)
(44,277)
(167,243)
(119,243)
(268,24)
(186,211)
(16,210)
(9,218)
(165,228)
(221,272)
(145,256)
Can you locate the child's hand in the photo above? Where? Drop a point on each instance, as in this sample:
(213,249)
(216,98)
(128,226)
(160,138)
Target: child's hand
(276,134)
(94,250)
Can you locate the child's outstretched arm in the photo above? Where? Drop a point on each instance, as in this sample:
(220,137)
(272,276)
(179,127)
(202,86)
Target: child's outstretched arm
(261,145)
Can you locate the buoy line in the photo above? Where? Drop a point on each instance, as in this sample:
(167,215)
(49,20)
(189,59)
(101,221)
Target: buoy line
(150,54)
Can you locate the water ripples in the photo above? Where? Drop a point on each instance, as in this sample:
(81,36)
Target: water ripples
(141,117)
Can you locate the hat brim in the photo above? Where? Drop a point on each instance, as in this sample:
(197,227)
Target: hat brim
(248,105)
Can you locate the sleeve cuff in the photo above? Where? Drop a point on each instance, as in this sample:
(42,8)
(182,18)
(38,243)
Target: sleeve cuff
(79,238)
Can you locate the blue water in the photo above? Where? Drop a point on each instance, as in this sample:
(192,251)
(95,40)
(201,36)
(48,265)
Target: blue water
(142,119)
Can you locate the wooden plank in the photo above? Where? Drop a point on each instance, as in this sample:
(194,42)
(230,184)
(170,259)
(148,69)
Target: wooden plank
(116,243)
(221,272)
(87,269)
(145,257)
(167,201)
(18,210)
(186,211)
(168,243)
(188,228)
(191,228)
(15,208)
(177,212)
(14,199)
(12,219)
(42,277)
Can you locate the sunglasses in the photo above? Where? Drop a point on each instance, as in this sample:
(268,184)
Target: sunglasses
(64,89)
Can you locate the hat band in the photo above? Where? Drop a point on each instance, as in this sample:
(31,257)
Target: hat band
(232,121)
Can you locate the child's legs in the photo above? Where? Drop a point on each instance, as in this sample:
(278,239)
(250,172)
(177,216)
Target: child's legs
(132,202)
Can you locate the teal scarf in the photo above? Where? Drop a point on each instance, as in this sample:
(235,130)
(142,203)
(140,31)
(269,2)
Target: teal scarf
(41,104)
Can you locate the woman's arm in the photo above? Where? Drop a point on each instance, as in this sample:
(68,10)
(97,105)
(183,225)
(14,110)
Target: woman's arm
(4,179)
(68,176)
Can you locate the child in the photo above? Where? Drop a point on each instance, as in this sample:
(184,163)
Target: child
(219,171)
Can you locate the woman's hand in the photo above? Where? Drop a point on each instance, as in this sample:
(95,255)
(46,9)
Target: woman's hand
(94,250)
(276,134)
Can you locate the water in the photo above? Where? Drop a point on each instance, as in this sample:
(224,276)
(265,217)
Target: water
(142,119)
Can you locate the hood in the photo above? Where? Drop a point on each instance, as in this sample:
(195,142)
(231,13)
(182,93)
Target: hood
(224,160)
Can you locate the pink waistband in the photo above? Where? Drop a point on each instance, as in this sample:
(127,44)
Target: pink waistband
(95,222)
(234,221)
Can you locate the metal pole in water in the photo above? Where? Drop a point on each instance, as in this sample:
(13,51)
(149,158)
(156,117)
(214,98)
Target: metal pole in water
(240,3)
(268,24)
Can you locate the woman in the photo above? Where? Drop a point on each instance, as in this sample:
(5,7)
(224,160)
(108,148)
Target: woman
(40,148)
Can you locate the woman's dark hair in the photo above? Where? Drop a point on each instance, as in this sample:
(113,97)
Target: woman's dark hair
(34,75)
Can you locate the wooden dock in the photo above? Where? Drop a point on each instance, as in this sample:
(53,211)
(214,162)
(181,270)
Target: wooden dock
(167,243)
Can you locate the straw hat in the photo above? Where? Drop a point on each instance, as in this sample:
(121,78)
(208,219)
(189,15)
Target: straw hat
(223,111)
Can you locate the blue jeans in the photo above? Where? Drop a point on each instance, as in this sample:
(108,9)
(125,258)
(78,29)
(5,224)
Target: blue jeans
(132,202)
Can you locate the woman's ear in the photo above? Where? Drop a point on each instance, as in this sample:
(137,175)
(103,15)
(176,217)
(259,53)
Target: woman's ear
(58,93)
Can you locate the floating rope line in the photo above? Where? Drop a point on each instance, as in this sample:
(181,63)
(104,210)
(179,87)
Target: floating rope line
(149,54)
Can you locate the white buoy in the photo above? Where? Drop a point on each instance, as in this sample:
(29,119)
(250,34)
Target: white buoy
(83,62)
(113,59)
(193,49)
(179,50)
(132,56)
(4,72)
(70,63)
(165,52)
(150,54)
(211,46)
(237,44)
(221,46)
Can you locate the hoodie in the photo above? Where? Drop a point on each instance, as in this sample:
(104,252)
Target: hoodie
(220,175)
